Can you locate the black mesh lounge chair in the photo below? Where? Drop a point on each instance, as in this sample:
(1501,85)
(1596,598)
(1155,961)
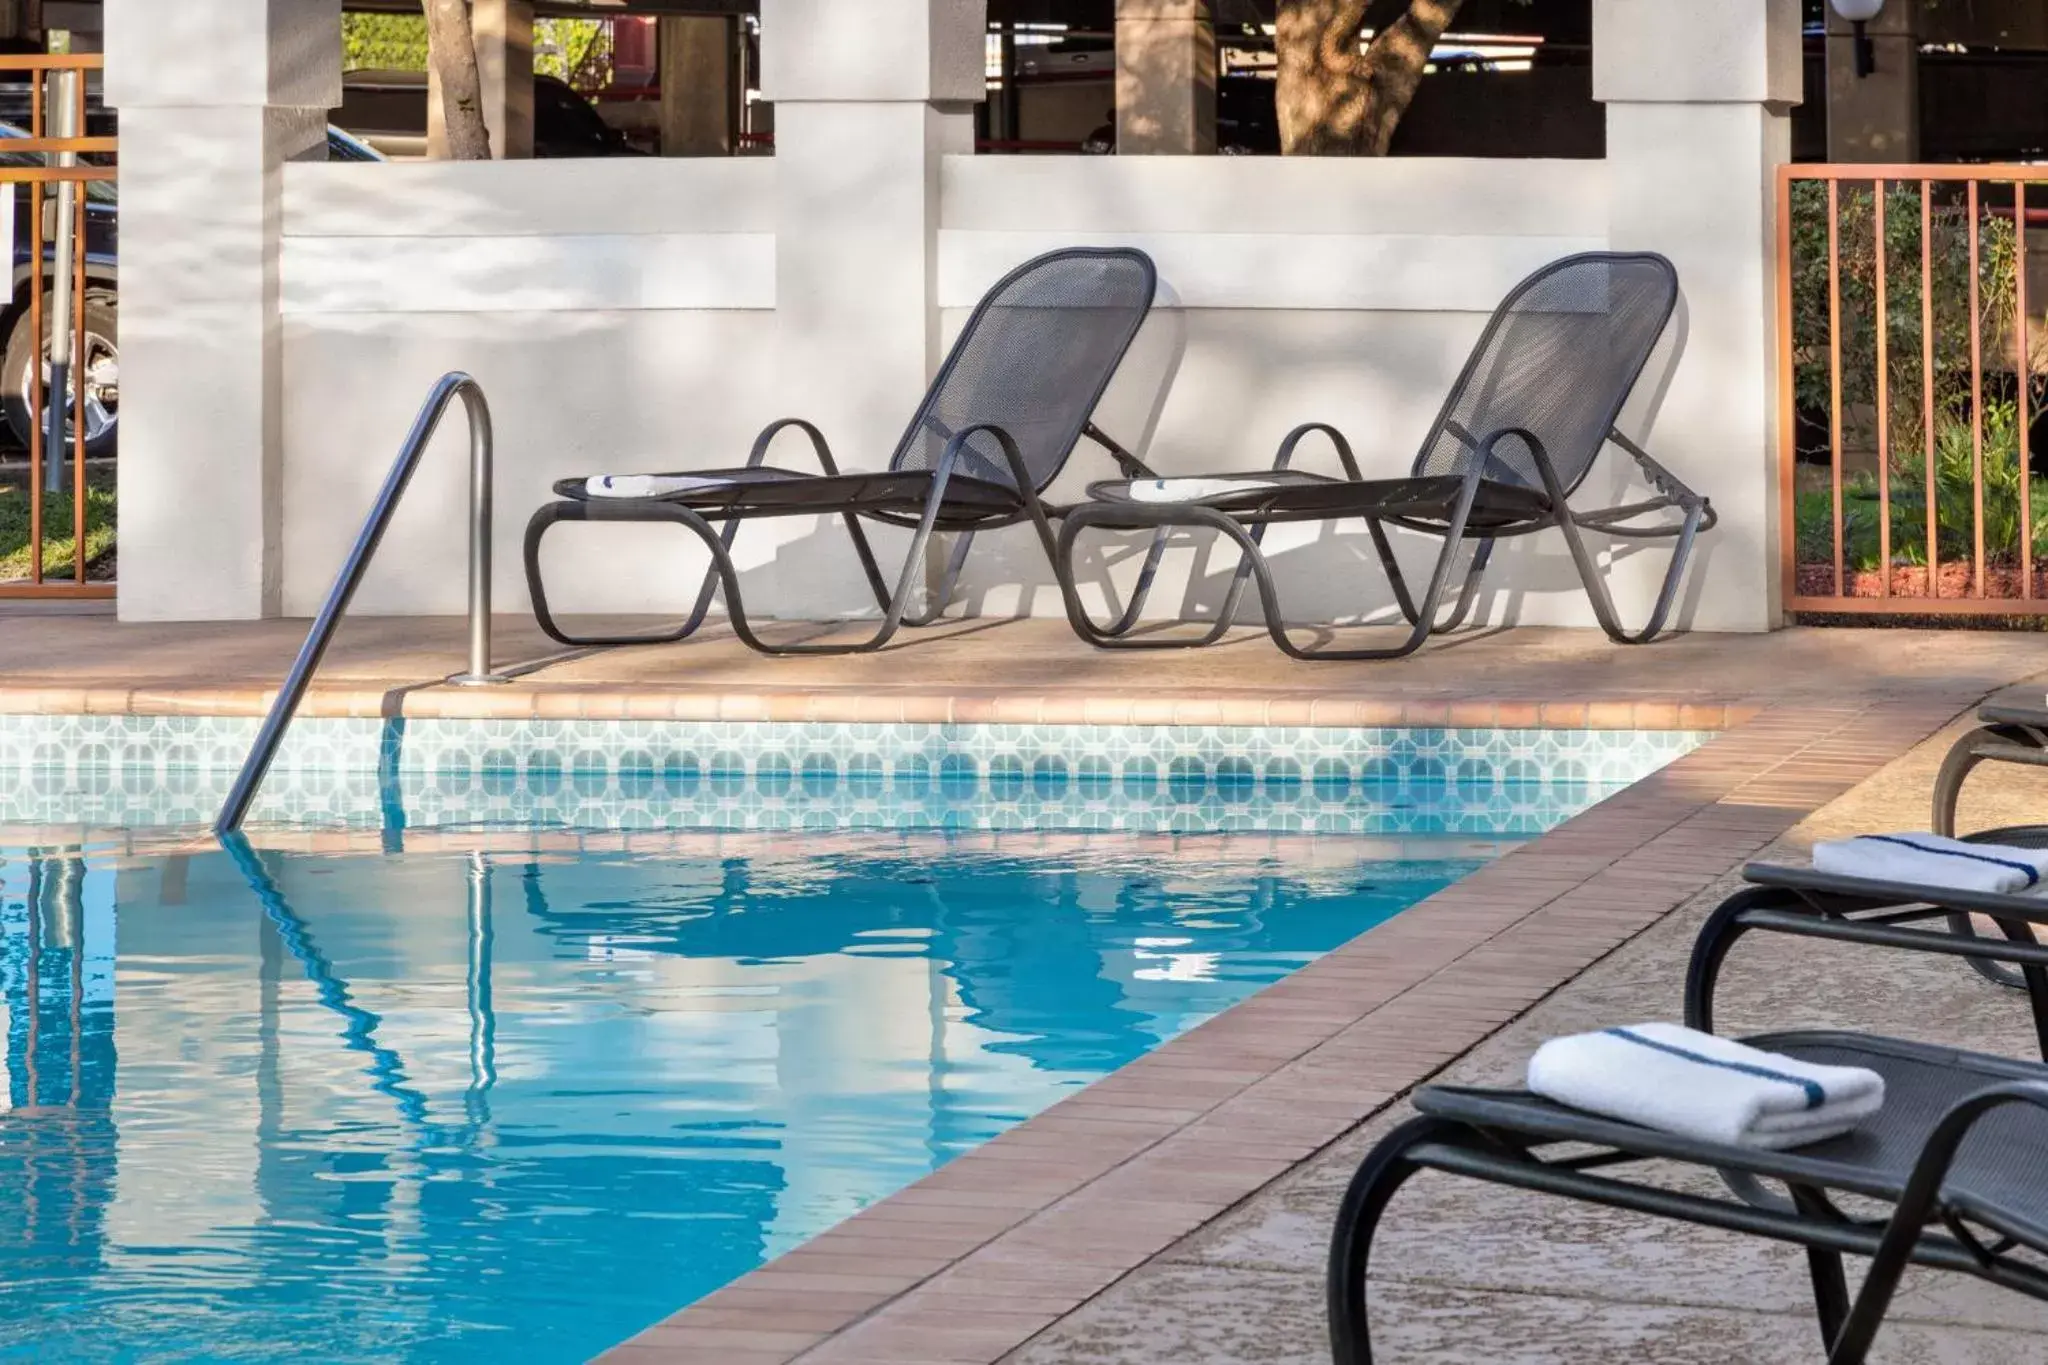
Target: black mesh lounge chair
(1010,403)
(1956,1162)
(1802,901)
(1534,406)
(1957,1152)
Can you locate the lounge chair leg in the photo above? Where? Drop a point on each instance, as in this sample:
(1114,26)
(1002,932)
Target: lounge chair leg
(1142,592)
(1399,583)
(1473,573)
(943,594)
(1710,950)
(1961,760)
(2036,979)
(1824,1267)
(1392,568)
(1060,550)
(1589,572)
(1226,616)
(1702,974)
(1385,1169)
(548,516)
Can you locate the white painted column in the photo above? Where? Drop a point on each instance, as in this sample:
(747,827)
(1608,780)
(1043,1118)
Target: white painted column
(1165,78)
(1697,100)
(203,140)
(868,98)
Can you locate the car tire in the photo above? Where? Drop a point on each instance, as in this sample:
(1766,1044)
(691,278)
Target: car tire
(102,334)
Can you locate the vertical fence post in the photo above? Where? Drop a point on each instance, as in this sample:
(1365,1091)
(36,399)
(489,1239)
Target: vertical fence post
(1884,415)
(2023,370)
(1835,375)
(1927,383)
(62,114)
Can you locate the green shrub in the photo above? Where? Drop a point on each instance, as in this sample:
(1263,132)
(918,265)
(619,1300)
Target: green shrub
(1955,502)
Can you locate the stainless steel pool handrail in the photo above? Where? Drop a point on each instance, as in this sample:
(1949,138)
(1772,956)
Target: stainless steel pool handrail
(289,695)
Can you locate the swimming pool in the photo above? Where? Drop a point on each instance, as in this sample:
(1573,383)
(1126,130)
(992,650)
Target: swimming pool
(483,1054)
(437,1108)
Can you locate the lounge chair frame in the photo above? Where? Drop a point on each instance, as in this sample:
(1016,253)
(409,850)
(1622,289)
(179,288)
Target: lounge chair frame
(1509,1138)
(1804,903)
(2009,730)
(1472,507)
(949,499)
(1506,1137)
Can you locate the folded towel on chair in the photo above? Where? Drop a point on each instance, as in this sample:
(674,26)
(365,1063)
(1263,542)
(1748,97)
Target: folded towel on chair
(1678,1080)
(648,485)
(1930,860)
(1190,490)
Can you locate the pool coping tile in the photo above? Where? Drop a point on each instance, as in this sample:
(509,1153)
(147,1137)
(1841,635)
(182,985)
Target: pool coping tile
(909,704)
(1060,1207)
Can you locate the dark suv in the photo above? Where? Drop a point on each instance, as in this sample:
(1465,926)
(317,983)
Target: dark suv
(101,359)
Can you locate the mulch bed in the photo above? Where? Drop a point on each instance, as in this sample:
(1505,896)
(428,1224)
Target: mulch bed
(2003,582)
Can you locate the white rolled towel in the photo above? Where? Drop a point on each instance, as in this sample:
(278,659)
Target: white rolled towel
(1931,860)
(648,485)
(1679,1080)
(1193,490)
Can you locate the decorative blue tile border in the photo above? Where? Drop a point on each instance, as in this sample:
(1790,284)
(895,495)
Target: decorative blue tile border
(156,770)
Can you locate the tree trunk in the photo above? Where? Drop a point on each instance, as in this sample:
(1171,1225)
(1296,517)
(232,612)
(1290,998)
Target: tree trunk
(1392,68)
(1333,100)
(451,49)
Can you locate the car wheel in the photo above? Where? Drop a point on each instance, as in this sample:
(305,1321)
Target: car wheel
(100,364)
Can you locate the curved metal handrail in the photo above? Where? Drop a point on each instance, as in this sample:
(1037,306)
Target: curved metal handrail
(450,387)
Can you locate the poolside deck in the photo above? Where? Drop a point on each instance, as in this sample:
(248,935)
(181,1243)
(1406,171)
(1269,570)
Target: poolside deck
(978,671)
(1175,1211)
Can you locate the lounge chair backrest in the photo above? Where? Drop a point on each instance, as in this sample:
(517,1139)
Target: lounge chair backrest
(1558,358)
(1034,358)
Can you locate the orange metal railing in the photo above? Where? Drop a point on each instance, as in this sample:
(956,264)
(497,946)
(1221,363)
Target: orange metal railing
(82,572)
(1908,384)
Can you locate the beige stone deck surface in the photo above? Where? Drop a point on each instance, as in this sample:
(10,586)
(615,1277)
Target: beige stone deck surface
(1175,1210)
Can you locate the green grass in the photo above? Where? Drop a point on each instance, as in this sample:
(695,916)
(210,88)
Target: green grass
(57,544)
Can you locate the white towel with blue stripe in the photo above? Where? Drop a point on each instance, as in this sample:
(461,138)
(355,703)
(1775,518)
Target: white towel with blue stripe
(1193,490)
(648,485)
(1678,1080)
(1930,860)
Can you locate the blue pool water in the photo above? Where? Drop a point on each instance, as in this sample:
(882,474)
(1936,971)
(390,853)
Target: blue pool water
(425,1106)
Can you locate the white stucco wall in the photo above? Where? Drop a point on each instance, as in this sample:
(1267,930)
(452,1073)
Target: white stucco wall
(618,314)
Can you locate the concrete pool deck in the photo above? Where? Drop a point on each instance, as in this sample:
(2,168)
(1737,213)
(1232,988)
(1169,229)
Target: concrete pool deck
(1174,1210)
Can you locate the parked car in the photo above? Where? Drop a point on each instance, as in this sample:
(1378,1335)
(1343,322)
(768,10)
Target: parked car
(101,359)
(391,107)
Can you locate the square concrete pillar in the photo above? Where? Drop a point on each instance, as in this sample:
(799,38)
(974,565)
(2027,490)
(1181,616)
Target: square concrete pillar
(1875,117)
(699,92)
(503,33)
(868,99)
(203,141)
(1165,78)
(1697,99)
